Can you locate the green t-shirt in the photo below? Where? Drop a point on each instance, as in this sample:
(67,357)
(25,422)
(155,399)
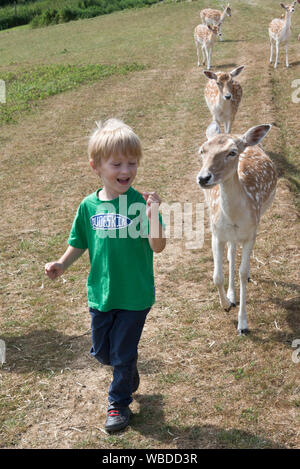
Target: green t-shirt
(116,236)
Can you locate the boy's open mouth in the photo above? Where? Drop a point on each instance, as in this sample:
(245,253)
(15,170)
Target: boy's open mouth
(123,181)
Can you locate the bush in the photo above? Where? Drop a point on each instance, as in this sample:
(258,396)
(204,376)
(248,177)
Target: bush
(29,11)
(10,21)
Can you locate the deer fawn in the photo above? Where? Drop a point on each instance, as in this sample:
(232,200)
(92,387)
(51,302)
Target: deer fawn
(205,36)
(223,96)
(280,31)
(214,17)
(239,182)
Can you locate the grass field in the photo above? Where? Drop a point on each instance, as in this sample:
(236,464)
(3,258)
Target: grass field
(202,385)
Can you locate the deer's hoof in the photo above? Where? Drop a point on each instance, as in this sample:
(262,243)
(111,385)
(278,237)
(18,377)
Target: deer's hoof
(243,331)
(232,305)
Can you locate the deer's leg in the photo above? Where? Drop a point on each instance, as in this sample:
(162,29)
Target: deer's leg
(271,51)
(287,54)
(277,53)
(244,273)
(220,37)
(198,52)
(204,55)
(231,259)
(227,126)
(218,278)
(208,53)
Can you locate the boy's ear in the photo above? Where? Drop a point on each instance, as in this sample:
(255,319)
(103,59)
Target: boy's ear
(94,166)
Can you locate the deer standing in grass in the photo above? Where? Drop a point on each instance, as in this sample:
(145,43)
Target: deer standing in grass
(205,37)
(239,182)
(214,17)
(280,31)
(223,96)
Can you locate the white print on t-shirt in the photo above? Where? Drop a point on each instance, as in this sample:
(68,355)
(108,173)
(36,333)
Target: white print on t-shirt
(109,221)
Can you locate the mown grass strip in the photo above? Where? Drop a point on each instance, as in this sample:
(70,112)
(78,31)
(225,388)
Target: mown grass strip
(25,88)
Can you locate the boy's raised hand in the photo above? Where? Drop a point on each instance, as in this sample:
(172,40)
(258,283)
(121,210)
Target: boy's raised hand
(151,198)
(54,270)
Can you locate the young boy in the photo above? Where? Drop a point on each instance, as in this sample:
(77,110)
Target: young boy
(120,228)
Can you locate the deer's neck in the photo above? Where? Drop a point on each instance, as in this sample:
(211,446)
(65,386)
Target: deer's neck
(287,21)
(231,196)
(212,38)
(222,17)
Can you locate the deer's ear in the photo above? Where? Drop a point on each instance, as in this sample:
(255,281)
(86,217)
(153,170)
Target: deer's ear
(210,75)
(212,130)
(254,135)
(282,5)
(237,71)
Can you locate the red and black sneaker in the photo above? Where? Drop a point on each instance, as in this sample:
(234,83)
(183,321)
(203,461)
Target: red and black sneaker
(117,418)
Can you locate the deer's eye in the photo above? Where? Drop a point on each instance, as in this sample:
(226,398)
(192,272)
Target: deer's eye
(232,153)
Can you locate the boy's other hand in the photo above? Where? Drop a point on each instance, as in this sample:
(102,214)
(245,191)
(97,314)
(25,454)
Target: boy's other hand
(151,198)
(54,270)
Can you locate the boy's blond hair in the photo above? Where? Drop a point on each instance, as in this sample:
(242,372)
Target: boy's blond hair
(113,138)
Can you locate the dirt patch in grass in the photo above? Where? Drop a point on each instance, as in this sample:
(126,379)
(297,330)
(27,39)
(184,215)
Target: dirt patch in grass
(202,386)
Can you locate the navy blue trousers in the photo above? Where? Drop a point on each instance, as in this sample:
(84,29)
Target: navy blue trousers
(115,338)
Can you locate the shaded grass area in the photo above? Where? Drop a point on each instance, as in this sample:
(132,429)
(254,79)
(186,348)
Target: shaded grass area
(287,113)
(25,88)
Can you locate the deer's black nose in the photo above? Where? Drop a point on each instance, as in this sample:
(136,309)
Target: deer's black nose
(227,96)
(204,180)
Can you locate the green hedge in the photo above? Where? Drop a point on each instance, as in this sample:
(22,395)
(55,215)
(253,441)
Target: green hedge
(42,14)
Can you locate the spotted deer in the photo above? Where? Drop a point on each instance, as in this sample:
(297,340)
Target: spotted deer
(223,96)
(280,32)
(239,182)
(214,17)
(205,37)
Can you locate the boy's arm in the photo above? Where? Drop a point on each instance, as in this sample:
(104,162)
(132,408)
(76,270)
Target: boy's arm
(55,269)
(157,238)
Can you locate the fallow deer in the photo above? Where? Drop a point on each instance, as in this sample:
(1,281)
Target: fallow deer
(214,17)
(205,37)
(239,182)
(223,96)
(280,31)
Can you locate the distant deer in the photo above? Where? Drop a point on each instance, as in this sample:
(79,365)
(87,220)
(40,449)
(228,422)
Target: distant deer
(214,17)
(223,96)
(205,36)
(239,182)
(280,31)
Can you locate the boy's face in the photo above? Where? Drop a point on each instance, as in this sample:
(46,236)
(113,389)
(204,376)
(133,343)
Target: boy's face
(117,174)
